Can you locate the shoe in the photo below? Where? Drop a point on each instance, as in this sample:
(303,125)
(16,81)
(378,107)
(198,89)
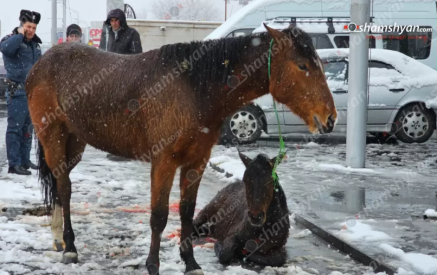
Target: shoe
(116,158)
(31,166)
(19,170)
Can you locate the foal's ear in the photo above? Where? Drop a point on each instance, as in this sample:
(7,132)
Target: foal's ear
(280,37)
(245,159)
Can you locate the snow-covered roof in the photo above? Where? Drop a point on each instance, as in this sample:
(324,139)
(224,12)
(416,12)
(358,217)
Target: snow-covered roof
(314,7)
(416,74)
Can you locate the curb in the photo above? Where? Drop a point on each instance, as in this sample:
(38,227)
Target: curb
(344,247)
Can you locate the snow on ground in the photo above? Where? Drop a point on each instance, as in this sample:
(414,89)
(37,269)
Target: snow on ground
(110,215)
(422,263)
(110,210)
(431,213)
(360,232)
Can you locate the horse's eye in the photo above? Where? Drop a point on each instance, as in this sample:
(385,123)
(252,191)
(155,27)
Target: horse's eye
(303,67)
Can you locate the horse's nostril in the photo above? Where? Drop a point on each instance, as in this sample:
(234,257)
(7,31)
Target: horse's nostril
(256,218)
(331,121)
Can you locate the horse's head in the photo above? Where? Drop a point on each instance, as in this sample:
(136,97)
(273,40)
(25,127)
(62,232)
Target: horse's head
(259,186)
(298,80)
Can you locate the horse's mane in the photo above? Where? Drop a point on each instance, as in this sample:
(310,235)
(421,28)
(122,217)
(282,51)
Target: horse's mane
(206,62)
(212,61)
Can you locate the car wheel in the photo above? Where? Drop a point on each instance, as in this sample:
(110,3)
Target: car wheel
(242,127)
(414,123)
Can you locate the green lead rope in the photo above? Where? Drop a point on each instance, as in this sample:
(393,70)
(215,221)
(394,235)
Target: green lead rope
(282,150)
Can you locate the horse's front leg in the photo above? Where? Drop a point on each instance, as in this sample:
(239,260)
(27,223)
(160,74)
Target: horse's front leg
(189,184)
(162,180)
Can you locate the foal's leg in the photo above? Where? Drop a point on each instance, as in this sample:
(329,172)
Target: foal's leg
(189,187)
(163,171)
(225,251)
(275,257)
(74,148)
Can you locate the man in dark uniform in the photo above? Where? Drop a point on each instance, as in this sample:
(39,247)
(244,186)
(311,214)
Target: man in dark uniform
(21,50)
(118,37)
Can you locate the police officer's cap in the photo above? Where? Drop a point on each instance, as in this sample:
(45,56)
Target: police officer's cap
(29,16)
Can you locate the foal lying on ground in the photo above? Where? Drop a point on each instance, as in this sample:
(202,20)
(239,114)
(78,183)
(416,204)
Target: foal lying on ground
(249,218)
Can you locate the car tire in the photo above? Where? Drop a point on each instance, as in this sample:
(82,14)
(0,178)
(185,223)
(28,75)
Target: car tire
(414,124)
(243,127)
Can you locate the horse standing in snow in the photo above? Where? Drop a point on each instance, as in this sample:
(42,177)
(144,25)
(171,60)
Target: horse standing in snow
(131,105)
(249,218)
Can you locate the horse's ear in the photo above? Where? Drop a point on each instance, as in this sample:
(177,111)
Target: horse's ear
(277,35)
(245,159)
(280,156)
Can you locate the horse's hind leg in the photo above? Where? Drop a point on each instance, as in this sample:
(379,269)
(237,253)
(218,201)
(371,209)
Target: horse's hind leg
(74,152)
(189,188)
(163,171)
(55,140)
(56,224)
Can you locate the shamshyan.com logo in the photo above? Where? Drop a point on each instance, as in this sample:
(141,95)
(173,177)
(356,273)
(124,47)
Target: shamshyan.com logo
(352,27)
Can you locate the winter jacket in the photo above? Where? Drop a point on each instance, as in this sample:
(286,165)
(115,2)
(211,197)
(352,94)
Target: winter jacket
(19,55)
(128,39)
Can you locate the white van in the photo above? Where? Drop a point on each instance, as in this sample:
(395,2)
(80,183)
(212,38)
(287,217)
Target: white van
(384,12)
(326,32)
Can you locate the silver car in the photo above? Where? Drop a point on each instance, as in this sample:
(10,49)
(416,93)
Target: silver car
(402,100)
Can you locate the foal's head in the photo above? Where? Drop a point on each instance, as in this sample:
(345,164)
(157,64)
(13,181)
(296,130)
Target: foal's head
(259,186)
(298,80)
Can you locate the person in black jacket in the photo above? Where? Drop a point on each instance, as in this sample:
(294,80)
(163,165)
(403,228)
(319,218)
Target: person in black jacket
(118,37)
(74,33)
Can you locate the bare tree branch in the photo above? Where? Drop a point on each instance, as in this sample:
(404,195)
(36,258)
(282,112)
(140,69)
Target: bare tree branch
(184,10)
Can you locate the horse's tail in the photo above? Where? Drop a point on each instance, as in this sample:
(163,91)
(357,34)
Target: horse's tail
(47,179)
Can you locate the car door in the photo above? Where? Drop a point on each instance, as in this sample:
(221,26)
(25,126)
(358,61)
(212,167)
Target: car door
(385,91)
(336,76)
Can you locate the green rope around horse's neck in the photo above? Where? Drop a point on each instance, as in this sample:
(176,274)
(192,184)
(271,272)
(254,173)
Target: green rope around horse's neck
(282,150)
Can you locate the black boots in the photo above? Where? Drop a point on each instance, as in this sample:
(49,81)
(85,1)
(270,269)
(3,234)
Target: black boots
(30,165)
(19,170)
(22,170)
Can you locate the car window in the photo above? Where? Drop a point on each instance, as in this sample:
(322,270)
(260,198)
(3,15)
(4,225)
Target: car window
(321,41)
(240,32)
(343,42)
(414,44)
(378,68)
(379,64)
(335,71)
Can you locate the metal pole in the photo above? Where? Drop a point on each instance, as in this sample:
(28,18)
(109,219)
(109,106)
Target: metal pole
(64,35)
(54,22)
(357,98)
(226,9)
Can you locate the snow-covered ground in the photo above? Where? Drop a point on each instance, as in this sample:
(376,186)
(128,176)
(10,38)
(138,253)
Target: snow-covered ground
(110,206)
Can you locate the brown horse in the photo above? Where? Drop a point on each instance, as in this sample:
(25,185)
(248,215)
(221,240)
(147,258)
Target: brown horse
(165,106)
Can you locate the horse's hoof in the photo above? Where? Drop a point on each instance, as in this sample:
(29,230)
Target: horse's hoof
(153,269)
(218,248)
(59,245)
(195,272)
(69,258)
